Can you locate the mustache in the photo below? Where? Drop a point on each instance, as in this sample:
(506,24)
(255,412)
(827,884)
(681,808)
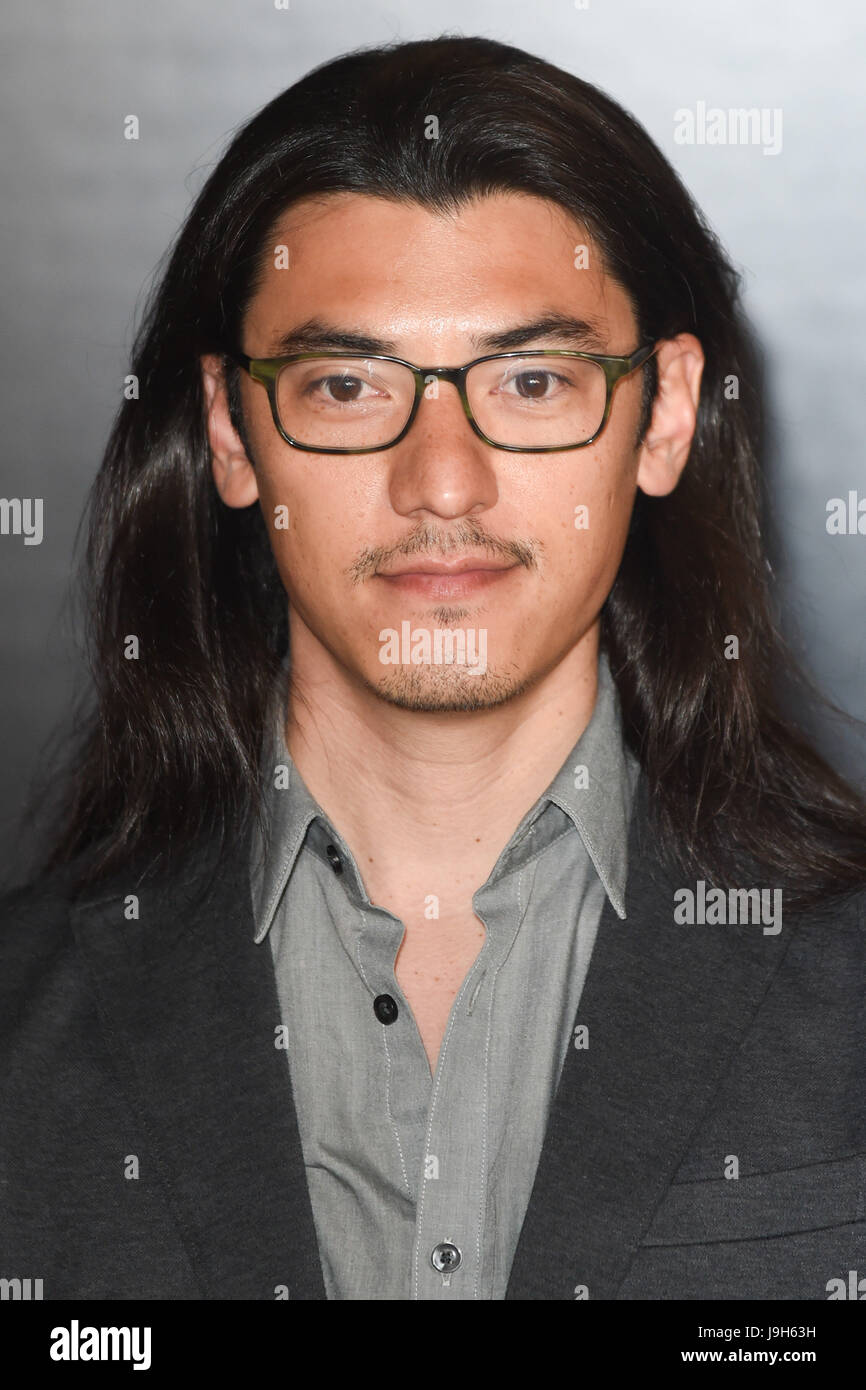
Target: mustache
(428,539)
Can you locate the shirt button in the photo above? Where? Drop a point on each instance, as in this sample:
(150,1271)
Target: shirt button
(446,1257)
(385,1008)
(336,861)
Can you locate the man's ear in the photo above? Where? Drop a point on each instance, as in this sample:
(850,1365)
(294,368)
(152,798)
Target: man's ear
(668,439)
(233,473)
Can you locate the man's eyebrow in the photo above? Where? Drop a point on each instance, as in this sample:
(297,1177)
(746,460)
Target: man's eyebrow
(315,335)
(580,333)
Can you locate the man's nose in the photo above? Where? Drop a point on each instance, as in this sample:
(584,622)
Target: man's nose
(442,467)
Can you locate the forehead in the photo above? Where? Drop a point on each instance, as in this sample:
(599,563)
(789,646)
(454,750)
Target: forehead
(403,271)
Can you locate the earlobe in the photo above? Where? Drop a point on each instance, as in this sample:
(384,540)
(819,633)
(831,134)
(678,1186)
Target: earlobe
(665,451)
(660,467)
(233,473)
(235,479)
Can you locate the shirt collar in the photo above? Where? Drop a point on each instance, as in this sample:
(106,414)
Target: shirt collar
(594,789)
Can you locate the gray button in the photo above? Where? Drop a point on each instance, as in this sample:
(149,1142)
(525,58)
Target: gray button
(446,1257)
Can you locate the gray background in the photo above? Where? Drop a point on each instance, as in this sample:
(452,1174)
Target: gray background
(86,215)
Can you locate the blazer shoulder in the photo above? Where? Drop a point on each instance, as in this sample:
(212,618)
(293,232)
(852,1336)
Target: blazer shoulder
(841,912)
(34,918)
(832,935)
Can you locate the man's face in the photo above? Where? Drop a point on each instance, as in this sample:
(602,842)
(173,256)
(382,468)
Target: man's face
(432,287)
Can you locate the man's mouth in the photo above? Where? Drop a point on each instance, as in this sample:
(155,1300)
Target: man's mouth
(447,579)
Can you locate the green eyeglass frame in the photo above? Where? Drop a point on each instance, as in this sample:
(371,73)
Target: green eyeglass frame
(265,370)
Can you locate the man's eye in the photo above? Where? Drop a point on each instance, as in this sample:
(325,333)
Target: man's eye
(535,384)
(344,389)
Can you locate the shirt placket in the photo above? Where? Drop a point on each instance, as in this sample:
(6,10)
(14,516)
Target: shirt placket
(449,1252)
(406,1073)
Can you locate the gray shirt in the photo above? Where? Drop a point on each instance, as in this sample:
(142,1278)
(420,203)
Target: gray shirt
(419,1185)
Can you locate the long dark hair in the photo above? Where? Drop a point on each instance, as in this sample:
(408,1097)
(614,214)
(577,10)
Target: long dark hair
(170,751)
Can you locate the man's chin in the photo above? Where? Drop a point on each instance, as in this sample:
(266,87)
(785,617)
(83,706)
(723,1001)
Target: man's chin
(447,690)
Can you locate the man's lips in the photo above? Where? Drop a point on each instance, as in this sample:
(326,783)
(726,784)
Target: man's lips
(448,578)
(468,562)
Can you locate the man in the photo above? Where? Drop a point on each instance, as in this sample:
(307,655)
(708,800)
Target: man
(443,907)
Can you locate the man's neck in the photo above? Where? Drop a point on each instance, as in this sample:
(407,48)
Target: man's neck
(416,795)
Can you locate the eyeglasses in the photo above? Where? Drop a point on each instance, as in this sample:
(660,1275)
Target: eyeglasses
(356,403)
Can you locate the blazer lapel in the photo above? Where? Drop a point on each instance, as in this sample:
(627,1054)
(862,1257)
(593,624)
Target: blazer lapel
(665,1006)
(189,1005)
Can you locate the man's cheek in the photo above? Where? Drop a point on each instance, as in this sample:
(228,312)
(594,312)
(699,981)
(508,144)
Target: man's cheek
(295,544)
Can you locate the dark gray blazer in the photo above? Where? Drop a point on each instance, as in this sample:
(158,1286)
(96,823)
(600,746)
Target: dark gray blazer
(154,1040)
